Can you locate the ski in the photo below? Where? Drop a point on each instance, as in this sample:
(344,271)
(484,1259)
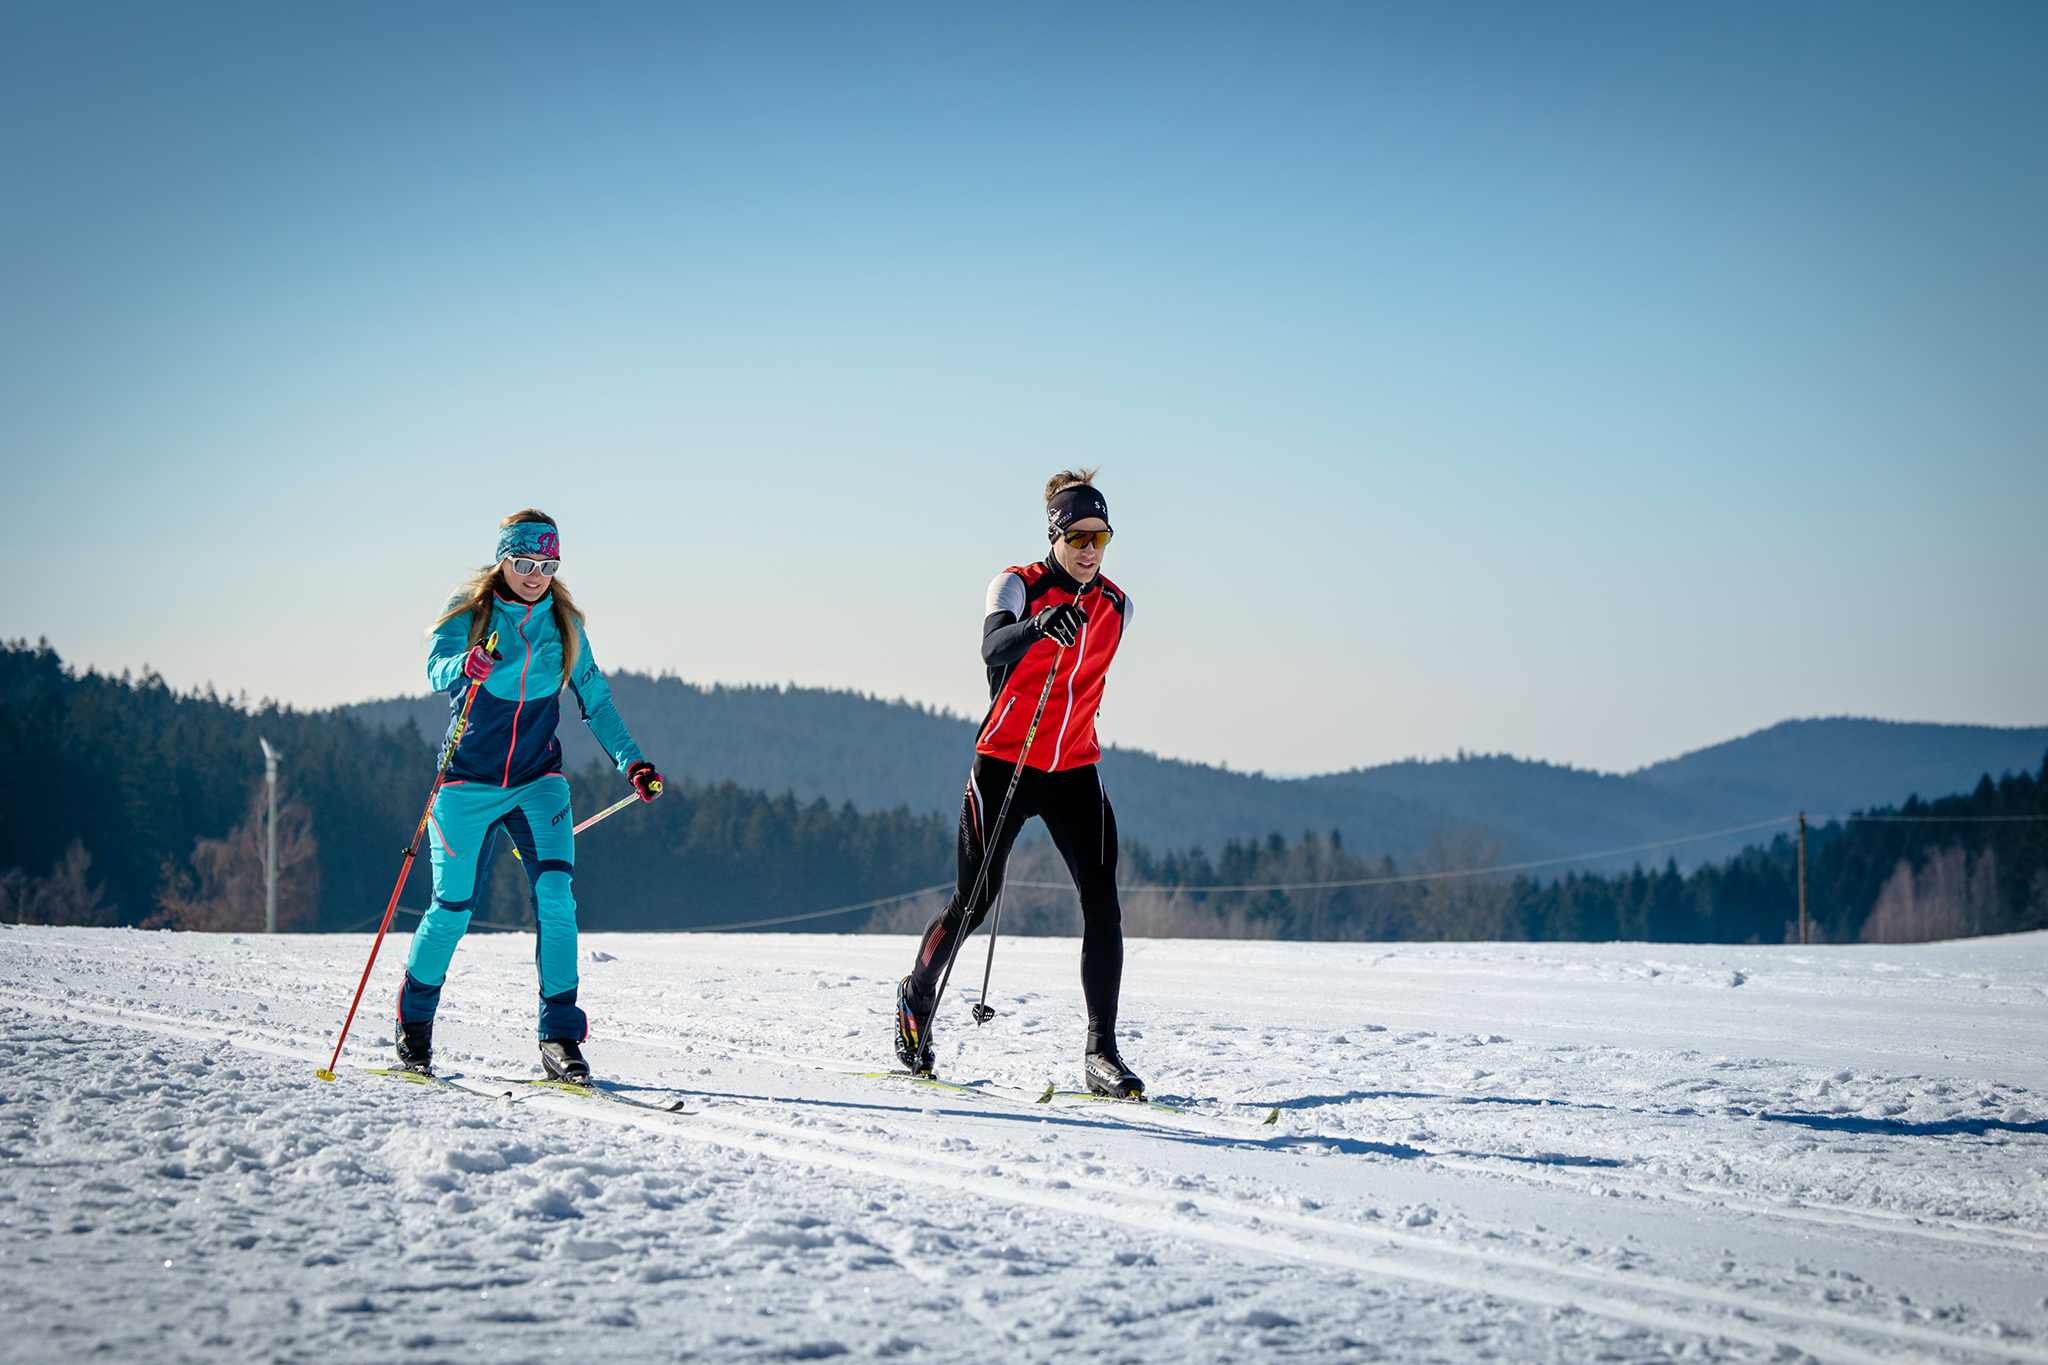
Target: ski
(976,1091)
(997,1090)
(1138,1100)
(594,1090)
(1049,1094)
(451,1081)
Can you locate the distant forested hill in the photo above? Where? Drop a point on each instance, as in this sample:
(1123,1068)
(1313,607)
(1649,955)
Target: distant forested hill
(882,754)
(1955,867)
(127,803)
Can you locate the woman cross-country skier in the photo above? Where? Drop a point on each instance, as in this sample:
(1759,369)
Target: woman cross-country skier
(507,774)
(1060,613)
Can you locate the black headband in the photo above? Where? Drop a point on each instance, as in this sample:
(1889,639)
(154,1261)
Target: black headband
(1075,502)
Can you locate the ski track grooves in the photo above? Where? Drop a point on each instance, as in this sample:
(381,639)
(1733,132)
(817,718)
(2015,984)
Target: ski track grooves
(1693,1195)
(1671,1306)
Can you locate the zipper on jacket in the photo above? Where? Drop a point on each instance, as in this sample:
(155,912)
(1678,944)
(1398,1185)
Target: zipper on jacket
(524,664)
(996,729)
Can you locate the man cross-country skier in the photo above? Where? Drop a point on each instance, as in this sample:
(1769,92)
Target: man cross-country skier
(507,774)
(1059,613)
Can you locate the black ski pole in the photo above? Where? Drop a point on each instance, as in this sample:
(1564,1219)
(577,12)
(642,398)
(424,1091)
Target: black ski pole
(982,1013)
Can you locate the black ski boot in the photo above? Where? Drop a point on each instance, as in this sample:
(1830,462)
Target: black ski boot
(416,1047)
(1107,1075)
(564,1061)
(913,1033)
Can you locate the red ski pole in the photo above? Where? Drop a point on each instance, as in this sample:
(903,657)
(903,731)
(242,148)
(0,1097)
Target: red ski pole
(412,851)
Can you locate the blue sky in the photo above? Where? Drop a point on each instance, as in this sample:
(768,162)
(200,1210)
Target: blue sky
(1583,382)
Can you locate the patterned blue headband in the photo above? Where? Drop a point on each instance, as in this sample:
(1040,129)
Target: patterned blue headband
(529,540)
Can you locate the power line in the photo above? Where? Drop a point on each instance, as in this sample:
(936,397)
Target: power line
(815,914)
(1440,876)
(483,926)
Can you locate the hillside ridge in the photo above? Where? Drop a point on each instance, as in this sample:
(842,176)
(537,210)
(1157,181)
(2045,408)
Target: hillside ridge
(880,754)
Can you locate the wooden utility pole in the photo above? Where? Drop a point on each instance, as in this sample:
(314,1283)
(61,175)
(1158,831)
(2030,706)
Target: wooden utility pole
(1805,930)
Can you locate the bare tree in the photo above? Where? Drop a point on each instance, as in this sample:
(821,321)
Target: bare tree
(66,896)
(1952,895)
(228,894)
(1175,912)
(1467,907)
(907,916)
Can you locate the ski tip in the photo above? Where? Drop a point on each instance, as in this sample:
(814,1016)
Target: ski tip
(1273,1117)
(1046,1098)
(326,1075)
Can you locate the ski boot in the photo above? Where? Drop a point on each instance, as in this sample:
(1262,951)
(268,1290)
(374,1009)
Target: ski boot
(416,1047)
(913,1033)
(1107,1075)
(564,1061)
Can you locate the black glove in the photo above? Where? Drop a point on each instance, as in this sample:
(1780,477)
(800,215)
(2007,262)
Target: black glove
(645,780)
(1061,624)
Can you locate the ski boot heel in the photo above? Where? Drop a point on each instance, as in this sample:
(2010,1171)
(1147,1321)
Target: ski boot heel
(913,1034)
(416,1047)
(1109,1077)
(564,1061)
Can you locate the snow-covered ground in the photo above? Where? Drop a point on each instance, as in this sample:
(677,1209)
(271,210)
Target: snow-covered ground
(1489,1151)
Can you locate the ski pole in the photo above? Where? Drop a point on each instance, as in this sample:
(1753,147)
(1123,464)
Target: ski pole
(614,808)
(411,852)
(982,1013)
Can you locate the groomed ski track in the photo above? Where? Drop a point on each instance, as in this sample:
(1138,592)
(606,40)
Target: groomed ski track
(1555,1170)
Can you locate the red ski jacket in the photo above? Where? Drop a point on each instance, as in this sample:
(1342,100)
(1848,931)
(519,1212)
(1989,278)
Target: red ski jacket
(1066,732)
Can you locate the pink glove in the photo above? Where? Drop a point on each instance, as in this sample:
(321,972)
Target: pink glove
(645,780)
(477,666)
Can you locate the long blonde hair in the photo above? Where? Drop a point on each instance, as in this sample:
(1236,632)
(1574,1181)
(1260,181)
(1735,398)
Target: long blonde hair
(476,594)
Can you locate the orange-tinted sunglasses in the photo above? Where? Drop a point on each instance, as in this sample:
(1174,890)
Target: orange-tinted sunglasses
(1082,540)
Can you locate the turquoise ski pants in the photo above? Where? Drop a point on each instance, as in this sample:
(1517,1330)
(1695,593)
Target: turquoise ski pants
(463,832)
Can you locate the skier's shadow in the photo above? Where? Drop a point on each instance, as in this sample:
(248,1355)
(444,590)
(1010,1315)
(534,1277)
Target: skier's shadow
(1319,1101)
(1277,1142)
(1854,1123)
(1401,1150)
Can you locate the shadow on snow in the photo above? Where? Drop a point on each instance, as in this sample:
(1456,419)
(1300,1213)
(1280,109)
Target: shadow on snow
(1853,1123)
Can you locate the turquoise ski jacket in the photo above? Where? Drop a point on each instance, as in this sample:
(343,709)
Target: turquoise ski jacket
(511,736)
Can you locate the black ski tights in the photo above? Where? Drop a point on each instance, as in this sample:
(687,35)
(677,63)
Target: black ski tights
(1083,829)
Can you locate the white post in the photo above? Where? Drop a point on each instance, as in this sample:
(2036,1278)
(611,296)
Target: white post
(1805,924)
(270,853)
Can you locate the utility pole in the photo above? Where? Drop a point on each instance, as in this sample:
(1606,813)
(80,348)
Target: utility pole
(270,852)
(1805,931)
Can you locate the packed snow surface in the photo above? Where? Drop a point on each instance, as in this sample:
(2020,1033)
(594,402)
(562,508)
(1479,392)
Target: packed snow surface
(1481,1152)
